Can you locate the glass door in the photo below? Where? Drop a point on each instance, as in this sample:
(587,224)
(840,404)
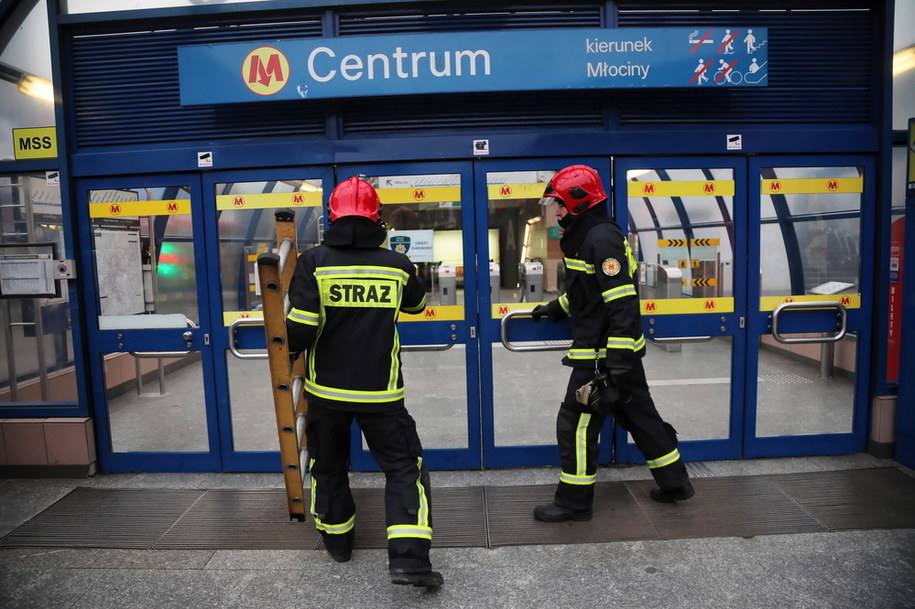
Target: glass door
(523,380)
(810,320)
(149,327)
(427,208)
(686,220)
(240,208)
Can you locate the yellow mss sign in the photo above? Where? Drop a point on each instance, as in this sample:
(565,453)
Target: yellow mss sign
(35,143)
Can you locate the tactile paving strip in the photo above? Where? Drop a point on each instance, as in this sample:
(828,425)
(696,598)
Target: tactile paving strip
(479,516)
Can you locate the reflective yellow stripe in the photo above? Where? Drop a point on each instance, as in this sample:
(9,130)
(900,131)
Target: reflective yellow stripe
(351,395)
(418,308)
(335,529)
(303,317)
(620,292)
(578,265)
(401,531)
(667,459)
(622,342)
(422,516)
(421,529)
(564,303)
(579,480)
(581,445)
(332,529)
(585,354)
(630,258)
(372,272)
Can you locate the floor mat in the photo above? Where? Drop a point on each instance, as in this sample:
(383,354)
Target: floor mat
(741,506)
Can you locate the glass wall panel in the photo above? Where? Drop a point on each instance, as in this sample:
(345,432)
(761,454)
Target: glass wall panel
(26,93)
(34,370)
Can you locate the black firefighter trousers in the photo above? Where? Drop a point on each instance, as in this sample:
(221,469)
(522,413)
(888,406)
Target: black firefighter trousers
(578,431)
(393,441)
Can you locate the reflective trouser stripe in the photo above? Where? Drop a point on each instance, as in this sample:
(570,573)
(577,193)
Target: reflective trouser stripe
(331,529)
(667,459)
(335,529)
(401,531)
(420,530)
(581,476)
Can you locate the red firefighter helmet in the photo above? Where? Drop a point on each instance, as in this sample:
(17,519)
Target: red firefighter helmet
(354,197)
(578,187)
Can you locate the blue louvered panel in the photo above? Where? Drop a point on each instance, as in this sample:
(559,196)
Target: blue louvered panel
(403,18)
(821,71)
(126,87)
(821,66)
(490,111)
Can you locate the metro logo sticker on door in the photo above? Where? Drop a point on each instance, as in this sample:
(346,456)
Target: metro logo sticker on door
(849,301)
(270,200)
(807,186)
(516,191)
(420,194)
(684,306)
(127,209)
(685,188)
(435,313)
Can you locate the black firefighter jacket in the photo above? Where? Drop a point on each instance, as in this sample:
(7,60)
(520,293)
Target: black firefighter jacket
(601,292)
(345,296)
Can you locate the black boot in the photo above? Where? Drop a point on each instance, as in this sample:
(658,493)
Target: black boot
(340,547)
(426,579)
(681,493)
(556,513)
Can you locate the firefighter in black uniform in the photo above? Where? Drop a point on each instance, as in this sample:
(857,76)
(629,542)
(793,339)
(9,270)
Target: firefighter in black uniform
(601,297)
(345,296)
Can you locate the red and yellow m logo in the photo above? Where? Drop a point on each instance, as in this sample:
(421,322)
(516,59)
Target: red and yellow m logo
(265,71)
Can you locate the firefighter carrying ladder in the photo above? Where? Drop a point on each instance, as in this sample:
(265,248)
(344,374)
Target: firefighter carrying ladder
(286,377)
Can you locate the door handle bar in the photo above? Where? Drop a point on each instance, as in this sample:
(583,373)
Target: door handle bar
(682,339)
(547,345)
(249,353)
(443,347)
(832,338)
(262,353)
(158,354)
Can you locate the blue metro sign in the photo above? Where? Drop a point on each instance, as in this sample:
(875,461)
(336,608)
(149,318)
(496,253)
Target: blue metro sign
(516,60)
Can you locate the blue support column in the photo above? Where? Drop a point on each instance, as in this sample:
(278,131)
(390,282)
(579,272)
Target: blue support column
(905,408)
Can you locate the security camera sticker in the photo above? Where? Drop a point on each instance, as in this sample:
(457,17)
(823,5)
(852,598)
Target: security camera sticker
(611,267)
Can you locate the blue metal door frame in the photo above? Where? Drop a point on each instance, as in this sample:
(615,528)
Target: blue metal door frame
(699,324)
(859,320)
(101,342)
(522,330)
(244,337)
(432,332)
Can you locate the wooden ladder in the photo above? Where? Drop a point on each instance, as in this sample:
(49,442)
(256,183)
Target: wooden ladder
(286,377)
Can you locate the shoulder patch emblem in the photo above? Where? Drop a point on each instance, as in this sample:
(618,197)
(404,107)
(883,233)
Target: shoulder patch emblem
(611,267)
